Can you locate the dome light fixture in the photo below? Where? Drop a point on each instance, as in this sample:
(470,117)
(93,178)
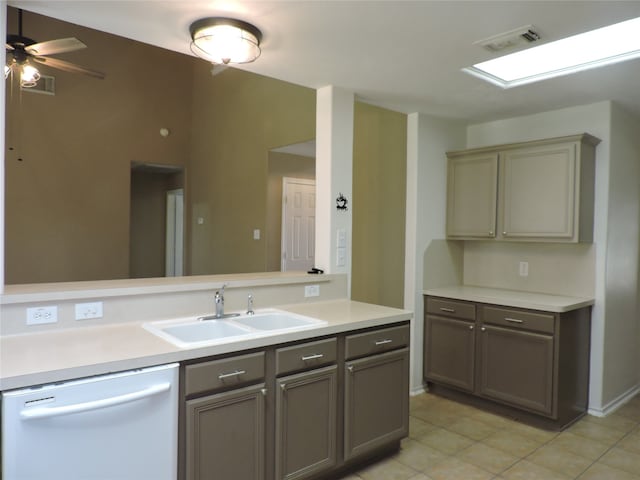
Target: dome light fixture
(224,40)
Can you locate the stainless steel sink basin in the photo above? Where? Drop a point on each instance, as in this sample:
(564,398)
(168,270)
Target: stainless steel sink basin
(201,331)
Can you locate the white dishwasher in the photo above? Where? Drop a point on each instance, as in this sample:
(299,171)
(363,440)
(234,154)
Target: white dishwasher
(121,426)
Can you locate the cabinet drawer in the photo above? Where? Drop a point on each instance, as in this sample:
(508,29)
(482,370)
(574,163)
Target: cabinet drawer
(377,341)
(536,322)
(451,308)
(305,356)
(228,372)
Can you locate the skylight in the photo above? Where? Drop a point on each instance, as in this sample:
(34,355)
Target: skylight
(597,48)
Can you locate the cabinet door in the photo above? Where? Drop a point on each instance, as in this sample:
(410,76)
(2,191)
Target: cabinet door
(449,352)
(225,435)
(538,191)
(306,423)
(472,183)
(516,367)
(376,403)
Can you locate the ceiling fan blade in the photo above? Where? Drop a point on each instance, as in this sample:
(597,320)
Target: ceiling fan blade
(8,47)
(68,66)
(53,47)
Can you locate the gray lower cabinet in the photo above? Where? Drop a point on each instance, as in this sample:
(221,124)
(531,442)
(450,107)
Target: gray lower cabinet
(301,410)
(517,367)
(376,402)
(530,360)
(306,428)
(225,435)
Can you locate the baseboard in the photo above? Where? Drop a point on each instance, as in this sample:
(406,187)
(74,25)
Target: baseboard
(419,390)
(613,405)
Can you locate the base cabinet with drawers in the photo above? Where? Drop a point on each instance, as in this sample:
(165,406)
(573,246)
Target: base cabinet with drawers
(536,362)
(305,410)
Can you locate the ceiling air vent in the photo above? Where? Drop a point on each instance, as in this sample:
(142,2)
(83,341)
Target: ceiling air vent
(46,85)
(513,38)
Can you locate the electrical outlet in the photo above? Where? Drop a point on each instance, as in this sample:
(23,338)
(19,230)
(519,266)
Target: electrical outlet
(85,311)
(312,291)
(42,315)
(524,269)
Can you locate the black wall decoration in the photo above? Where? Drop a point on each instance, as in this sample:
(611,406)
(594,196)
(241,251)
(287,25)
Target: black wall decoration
(341,203)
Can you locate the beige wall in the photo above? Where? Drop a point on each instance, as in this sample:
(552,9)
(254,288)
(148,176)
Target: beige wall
(379,186)
(245,116)
(281,165)
(68,156)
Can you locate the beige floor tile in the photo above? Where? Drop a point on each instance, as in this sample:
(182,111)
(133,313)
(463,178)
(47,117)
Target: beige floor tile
(491,419)
(445,441)
(585,447)
(418,456)
(472,428)
(418,426)
(622,460)
(599,471)
(351,477)
(436,416)
(560,460)
(389,469)
(631,443)
(630,410)
(524,470)
(488,458)
(597,432)
(615,421)
(537,434)
(454,468)
(420,476)
(512,442)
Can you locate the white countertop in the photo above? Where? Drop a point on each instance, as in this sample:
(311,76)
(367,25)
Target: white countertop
(39,358)
(512,298)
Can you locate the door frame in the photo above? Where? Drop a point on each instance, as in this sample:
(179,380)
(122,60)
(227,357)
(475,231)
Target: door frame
(283,232)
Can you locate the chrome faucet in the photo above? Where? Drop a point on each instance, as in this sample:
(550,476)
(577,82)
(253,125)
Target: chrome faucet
(219,301)
(250,305)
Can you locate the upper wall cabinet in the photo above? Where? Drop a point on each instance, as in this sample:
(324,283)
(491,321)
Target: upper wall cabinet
(541,191)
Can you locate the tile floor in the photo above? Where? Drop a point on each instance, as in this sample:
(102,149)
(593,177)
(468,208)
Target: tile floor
(451,441)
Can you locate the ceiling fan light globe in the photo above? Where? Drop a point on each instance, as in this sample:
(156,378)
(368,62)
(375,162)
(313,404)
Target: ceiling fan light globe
(29,76)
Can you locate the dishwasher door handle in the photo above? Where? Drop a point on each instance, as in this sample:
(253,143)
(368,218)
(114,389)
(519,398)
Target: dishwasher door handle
(45,412)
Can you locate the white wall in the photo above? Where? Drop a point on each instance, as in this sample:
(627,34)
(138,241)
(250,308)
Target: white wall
(614,365)
(428,139)
(621,353)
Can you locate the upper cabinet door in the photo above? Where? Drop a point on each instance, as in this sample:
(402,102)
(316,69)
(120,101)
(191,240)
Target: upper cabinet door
(538,188)
(472,195)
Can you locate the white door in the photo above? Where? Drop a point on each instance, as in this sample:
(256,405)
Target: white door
(298,223)
(175,233)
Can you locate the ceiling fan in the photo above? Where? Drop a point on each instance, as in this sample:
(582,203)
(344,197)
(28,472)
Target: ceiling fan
(21,51)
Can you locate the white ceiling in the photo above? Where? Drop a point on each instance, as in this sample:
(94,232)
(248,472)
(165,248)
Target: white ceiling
(403,55)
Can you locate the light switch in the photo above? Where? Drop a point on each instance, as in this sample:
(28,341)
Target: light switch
(256,234)
(341,254)
(341,239)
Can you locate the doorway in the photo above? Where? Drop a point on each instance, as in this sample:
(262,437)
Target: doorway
(156,225)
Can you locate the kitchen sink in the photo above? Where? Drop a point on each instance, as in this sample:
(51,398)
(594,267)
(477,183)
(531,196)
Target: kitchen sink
(275,321)
(203,331)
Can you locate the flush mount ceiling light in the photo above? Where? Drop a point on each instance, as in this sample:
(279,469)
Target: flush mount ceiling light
(597,48)
(225,40)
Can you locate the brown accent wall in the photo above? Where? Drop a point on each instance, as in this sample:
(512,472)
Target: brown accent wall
(69,156)
(379,191)
(244,116)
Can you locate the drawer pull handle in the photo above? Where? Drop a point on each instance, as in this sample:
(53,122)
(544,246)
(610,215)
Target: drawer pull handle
(483,329)
(237,373)
(448,310)
(315,356)
(513,320)
(470,327)
(263,391)
(383,342)
(283,387)
(350,368)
